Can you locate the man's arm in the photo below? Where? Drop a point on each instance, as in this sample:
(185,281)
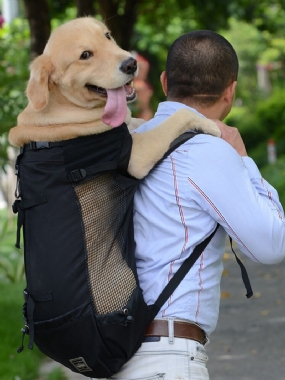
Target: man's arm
(231,189)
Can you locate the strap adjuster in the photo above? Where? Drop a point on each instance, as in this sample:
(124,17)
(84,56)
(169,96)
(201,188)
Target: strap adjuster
(39,144)
(77,175)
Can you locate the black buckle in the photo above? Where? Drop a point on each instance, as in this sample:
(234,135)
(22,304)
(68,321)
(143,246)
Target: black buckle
(39,144)
(77,175)
(15,206)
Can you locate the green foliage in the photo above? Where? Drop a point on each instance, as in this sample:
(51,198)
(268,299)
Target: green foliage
(260,122)
(249,43)
(24,366)
(69,14)
(259,116)
(56,374)
(58,8)
(11,258)
(270,115)
(275,175)
(155,30)
(14,60)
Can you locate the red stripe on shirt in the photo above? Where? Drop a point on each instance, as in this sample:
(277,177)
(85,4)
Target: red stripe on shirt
(221,216)
(170,274)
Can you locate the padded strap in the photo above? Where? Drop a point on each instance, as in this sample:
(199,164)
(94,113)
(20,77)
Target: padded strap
(180,274)
(30,317)
(175,144)
(79,174)
(19,206)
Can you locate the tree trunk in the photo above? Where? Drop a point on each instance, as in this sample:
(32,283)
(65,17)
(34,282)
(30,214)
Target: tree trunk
(120,19)
(39,20)
(85,8)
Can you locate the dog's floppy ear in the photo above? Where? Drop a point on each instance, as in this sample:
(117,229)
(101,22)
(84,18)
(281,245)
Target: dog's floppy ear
(38,85)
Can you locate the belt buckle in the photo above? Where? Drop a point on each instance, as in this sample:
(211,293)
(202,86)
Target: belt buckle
(205,340)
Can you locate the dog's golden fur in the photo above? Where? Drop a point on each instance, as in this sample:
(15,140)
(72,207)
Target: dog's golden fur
(62,107)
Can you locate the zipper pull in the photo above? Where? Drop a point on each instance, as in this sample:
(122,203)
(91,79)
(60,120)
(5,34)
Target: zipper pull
(25,330)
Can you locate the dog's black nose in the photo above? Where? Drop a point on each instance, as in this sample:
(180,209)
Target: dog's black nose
(129,66)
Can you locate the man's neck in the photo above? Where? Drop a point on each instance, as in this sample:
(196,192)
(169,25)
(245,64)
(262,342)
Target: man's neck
(215,111)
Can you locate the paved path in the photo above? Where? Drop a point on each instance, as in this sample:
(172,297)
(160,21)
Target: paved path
(249,341)
(49,366)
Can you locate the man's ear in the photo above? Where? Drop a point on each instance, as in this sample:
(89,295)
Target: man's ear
(230,92)
(163,81)
(38,85)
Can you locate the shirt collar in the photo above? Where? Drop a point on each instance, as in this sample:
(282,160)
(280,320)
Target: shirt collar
(169,107)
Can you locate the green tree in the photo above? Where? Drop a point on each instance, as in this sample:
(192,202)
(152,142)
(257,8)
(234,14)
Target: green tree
(150,27)
(14,60)
(37,12)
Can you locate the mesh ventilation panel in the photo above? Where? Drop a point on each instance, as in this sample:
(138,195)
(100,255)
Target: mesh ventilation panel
(102,206)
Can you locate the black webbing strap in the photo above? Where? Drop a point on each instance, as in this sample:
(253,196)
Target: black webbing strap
(244,274)
(19,206)
(28,315)
(180,274)
(35,145)
(31,301)
(79,174)
(179,141)
(175,144)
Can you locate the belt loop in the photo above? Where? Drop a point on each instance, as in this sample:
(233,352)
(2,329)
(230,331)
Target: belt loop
(171,330)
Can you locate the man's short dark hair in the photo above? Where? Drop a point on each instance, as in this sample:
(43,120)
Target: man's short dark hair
(200,66)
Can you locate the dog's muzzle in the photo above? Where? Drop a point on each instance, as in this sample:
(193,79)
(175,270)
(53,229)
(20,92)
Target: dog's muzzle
(129,66)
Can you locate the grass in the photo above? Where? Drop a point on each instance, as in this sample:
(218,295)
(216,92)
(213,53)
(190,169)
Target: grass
(56,374)
(14,366)
(11,258)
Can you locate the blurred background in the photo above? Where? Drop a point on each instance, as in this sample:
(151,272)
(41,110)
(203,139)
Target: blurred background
(146,28)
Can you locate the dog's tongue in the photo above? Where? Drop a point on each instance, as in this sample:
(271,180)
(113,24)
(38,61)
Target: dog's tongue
(116,108)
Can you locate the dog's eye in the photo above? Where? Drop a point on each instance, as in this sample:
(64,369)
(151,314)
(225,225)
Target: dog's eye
(86,54)
(108,35)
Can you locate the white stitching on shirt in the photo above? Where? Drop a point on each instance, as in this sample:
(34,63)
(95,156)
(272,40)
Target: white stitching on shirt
(170,275)
(201,286)
(221,216)
(272,201)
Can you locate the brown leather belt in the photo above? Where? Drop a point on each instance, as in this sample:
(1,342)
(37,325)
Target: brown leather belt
(188,330)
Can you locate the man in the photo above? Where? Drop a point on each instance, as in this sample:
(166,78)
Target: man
(205,182)
(1,20)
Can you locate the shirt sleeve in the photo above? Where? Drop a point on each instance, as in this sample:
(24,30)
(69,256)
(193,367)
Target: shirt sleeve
(231,189)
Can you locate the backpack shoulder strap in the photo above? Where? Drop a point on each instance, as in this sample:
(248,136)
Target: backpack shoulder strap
(175,144)
(180,274)
(180,140)
(244,274)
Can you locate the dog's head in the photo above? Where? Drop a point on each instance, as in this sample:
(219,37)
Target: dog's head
(83,64)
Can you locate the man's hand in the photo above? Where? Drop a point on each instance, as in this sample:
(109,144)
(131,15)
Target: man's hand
(232,136)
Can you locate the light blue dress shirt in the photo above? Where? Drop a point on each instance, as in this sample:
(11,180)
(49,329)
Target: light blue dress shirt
(202,183)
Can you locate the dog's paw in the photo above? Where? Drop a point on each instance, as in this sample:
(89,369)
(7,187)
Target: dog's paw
(194,121)
(135,123)
(149,147)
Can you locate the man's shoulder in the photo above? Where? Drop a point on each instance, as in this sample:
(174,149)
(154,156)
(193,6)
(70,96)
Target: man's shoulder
(150,124)
(212,142)
(203,148)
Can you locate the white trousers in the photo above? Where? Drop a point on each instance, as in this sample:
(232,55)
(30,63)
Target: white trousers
(182,359)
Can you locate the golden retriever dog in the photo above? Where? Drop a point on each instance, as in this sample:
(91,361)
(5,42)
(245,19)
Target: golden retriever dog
(80,86)
(77,217)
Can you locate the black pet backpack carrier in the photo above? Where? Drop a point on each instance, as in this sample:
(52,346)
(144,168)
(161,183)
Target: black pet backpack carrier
(83,304)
